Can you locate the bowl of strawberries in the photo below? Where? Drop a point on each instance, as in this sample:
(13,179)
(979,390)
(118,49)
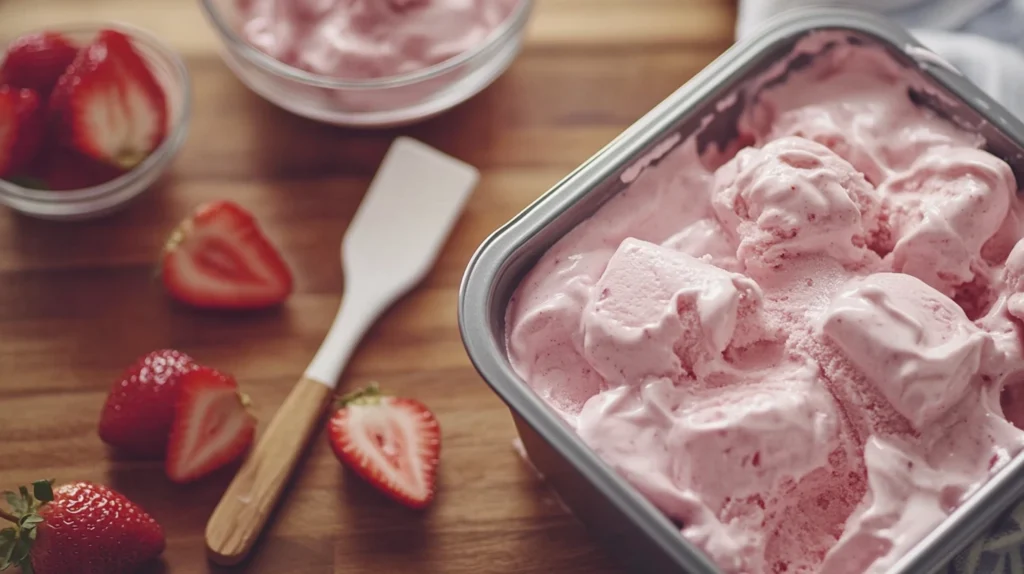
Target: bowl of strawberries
(90,117)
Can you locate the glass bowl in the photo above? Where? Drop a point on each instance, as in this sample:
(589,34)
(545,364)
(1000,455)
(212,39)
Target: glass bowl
(85,203)
(378,102)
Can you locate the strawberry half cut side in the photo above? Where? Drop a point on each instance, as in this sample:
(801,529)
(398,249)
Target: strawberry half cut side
(219,258)
(212,426)
(393,443)
(108,105)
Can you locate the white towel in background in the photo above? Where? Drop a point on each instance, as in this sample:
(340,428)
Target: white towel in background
(984,39)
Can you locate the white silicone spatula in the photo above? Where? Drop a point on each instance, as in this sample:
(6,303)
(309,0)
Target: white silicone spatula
(393,240)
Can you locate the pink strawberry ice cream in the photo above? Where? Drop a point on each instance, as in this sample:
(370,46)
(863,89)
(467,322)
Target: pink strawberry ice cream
(363,39)
(808,353)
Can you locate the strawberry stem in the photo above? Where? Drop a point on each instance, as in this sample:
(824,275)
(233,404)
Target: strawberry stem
(8,516)
(370,394)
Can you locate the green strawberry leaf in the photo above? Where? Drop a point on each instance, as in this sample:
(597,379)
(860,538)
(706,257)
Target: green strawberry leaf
(43,490)
(24,494)
(18,504)
(26,568)
(30,520)
(8,540)
(20,555)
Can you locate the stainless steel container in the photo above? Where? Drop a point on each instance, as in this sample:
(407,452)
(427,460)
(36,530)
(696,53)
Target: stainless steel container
(621,519)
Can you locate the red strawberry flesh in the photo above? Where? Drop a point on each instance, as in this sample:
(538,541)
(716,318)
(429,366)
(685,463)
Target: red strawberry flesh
(108,105)
(219,258)
(391,442)
(212,426)
(35,61)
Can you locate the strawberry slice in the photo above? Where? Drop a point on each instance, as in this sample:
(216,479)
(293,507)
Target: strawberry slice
(22,127)
(393,443)
(219,258)
(35,61)
(108,105)
(212,426)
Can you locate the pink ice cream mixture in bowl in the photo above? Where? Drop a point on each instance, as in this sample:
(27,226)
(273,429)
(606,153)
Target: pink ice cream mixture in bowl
(370,63)
(807,351)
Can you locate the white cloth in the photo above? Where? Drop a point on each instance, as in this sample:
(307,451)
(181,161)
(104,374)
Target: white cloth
(984,39)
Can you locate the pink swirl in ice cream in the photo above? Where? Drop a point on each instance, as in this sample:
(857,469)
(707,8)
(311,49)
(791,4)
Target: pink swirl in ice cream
(362,39)
(807,353)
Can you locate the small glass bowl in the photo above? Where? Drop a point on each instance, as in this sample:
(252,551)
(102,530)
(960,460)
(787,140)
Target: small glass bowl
(379,102)
(90,202)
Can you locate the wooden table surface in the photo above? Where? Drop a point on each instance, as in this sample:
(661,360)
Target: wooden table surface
(78,302)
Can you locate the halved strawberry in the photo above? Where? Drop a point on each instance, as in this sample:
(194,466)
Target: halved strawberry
(22,127)
(212,425)
(35,61)
(219,258)
(393,443)
(108,105)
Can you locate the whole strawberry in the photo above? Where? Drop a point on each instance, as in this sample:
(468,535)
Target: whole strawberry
(139,410)
(80,528)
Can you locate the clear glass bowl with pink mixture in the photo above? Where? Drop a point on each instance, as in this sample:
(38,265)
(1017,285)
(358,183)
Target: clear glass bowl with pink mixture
(379,101)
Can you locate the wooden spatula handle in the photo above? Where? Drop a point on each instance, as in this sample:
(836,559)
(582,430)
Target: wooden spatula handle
(243,510)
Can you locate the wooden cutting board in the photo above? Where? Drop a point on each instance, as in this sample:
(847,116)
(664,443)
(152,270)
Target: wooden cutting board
(78,302)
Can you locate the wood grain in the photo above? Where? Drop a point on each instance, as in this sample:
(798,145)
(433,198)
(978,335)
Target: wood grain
(254,491)
(78,302)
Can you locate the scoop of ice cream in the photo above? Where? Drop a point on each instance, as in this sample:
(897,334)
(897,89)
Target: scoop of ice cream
(795,197)
(655,312)
(943,210)
(913,343)
(739,442)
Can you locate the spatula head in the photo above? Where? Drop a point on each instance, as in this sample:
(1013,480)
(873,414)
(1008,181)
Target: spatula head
(405,218)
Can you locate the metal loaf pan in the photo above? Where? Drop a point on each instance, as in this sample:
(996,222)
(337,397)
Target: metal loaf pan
(621,519)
